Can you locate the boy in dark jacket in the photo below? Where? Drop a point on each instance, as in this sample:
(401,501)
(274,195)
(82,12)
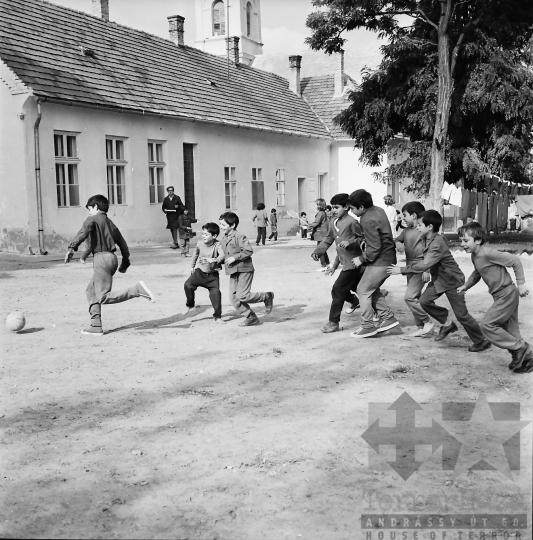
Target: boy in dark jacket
(186,232)
(379,253)
(239,267)
(104,237)
(446,278)
(346,233)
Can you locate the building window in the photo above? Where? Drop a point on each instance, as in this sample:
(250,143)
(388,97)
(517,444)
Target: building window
(258,187)
(248,19)
(280,187)
(230,188)
(116,170)
(321,186)
(219,18)
(156,169)
(66,162)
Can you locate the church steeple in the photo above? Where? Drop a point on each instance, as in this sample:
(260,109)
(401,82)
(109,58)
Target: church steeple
(217,20)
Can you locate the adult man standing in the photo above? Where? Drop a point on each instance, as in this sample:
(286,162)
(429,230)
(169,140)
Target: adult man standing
(173,208)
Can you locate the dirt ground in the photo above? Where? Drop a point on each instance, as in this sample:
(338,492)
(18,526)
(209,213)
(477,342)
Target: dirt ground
(171,426)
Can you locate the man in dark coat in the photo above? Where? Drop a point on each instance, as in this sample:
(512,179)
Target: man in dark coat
(173,208)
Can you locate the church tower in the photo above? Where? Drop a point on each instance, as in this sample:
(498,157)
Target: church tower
(217,20)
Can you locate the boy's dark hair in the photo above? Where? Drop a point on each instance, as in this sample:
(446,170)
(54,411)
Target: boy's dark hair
(100,201)
(328,207)
(414,207)
(340,198)
(230,218)
(211,228)
(261,206)
(473,229)
(431,217)
(303,214)
(273,211)
(361,197)
(185,208)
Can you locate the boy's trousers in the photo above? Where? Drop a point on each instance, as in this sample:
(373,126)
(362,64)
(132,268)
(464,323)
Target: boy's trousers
(500,323)
(261,235)
(185,245)
(240,295)
(273,234)
(415,284)
(347,281)
(209,281)
(324,260)
(370,296)
(99,289)
(174,233)
(458,304)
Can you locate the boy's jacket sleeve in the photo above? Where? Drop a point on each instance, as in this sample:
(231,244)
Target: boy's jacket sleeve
(83,233)
(245,247)
(475,276)
(373,242)
(326,242)
(119,241)
(431,257)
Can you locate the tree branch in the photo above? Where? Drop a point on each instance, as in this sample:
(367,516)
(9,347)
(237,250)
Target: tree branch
(427,19)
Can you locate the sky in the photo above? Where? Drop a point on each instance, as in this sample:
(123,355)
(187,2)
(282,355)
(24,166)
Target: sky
(283,21)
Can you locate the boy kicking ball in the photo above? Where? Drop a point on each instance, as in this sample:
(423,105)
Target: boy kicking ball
(206,261)
(104,237)
(500,323)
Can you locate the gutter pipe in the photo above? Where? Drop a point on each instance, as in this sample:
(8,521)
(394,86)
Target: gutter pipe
(38,180)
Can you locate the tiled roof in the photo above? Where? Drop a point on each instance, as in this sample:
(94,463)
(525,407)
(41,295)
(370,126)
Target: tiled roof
(319,93)
(41,43)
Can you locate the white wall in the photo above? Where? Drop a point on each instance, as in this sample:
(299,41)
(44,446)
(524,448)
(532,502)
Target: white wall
(140,221)
(350,174)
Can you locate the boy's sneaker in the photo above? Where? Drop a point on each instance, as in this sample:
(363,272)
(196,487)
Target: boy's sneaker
(527,364)
(251,320)
(423,330)
(364,332)
(387,324)
(518,356)
(330,327)
(352,308)
(93,331)
(446,330)
(375,318)
(218,320)
(269,302)
(144,291)
(480,347)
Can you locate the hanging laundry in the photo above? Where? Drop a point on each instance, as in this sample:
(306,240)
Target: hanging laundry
(446,191)
(456,196)
(492,218)
(524,205)
(514,190)
(503,204)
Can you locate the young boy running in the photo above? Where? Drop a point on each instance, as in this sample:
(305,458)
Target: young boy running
(206,261)
(379,253)
(238,260)
(411,241)
(446,278)
(104,237)
(347,235)
(500,323)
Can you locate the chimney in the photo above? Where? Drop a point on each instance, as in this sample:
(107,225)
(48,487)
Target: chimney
(232,44)
(101,9)
(339,74)
(295,63)
(175,29)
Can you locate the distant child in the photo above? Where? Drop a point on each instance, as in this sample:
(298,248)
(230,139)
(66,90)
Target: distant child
(346,233)
(304,224)
(206,261)
(500,322)
(104,237)
(260,220)
(391,213)
(411,241)
(399,222)
(185,230)
(446,278)
(239,267)
(329,212)
(378,254)
(319,230)
(273,225)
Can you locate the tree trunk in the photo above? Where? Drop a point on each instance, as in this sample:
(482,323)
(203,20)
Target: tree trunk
(440,134)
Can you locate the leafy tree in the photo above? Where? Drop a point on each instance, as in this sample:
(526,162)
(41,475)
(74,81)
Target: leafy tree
(454,91)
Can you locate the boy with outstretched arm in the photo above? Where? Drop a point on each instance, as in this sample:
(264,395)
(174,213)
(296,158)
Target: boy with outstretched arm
(206,261)
(104,237)
(346,233)
(379,253)
(238,260)
(412,243)
(500,322)
(446,277)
